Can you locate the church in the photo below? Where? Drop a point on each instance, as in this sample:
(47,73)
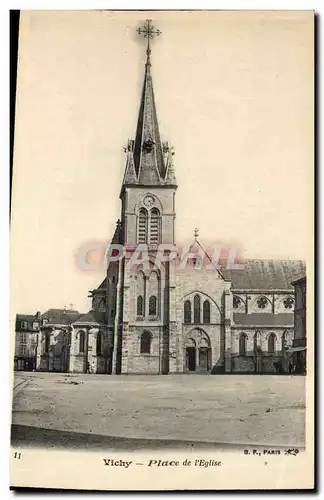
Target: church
(172,319)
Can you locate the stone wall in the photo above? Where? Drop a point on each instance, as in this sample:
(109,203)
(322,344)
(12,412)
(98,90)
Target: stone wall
(164,201)
(243,364)
(98,362)
(133,361)
(53,349)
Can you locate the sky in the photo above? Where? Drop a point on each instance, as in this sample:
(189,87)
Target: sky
(234,96)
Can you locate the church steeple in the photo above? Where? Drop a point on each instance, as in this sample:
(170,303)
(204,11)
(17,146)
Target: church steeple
(148,160)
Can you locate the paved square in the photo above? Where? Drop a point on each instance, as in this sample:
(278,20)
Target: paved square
(233,409)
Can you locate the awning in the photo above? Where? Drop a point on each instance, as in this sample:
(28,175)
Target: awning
(297,349)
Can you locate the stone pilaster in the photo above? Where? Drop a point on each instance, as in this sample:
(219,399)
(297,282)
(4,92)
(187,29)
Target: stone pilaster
(125,349)
(174,354)
(78,359)
(173,348)
(227,330)
(116,354)
(42,356)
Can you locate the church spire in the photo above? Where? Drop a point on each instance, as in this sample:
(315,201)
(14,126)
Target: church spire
(147,160)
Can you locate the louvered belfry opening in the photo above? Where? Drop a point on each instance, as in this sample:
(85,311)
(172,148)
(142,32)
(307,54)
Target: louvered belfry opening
(154,226)
(142,225)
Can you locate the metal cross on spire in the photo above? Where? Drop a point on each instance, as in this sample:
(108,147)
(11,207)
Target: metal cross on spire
(148,31)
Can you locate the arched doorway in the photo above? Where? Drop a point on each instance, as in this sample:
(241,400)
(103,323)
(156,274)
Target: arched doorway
(191,355)
(197,352)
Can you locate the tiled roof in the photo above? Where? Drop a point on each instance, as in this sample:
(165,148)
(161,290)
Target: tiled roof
(263,319)
(265,274)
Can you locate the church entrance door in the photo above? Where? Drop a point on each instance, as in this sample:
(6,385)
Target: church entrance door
(197,352)
(204,359)
(191,359)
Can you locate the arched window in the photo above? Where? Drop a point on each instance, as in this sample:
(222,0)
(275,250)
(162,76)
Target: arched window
(155,226)
(140,306)
(142,226)
(81,341)
(140,292)
(187,311)
(242,344)
(206,311)
(271,343)
(153,292)
(197,309)
(99,343)
(153,306)
(146,338)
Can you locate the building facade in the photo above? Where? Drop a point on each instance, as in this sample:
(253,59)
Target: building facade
(300,326)
(27,326)
(172,318)
(54,340)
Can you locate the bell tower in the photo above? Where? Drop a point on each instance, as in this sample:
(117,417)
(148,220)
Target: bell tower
(149,184)
(147,218)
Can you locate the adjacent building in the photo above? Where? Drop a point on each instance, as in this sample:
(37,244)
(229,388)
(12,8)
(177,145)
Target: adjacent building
(300,326)
(26,328)
(54,340)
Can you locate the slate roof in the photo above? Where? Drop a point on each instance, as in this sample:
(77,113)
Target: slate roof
(61,316)
(263,319)
(25,317)
(90,317)
(28,318)
(262,274)
(265,274)
(103,284)
(147,163)
(148,129)
(299,279)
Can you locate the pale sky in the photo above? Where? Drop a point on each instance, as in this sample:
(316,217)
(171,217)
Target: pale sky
(234,95)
